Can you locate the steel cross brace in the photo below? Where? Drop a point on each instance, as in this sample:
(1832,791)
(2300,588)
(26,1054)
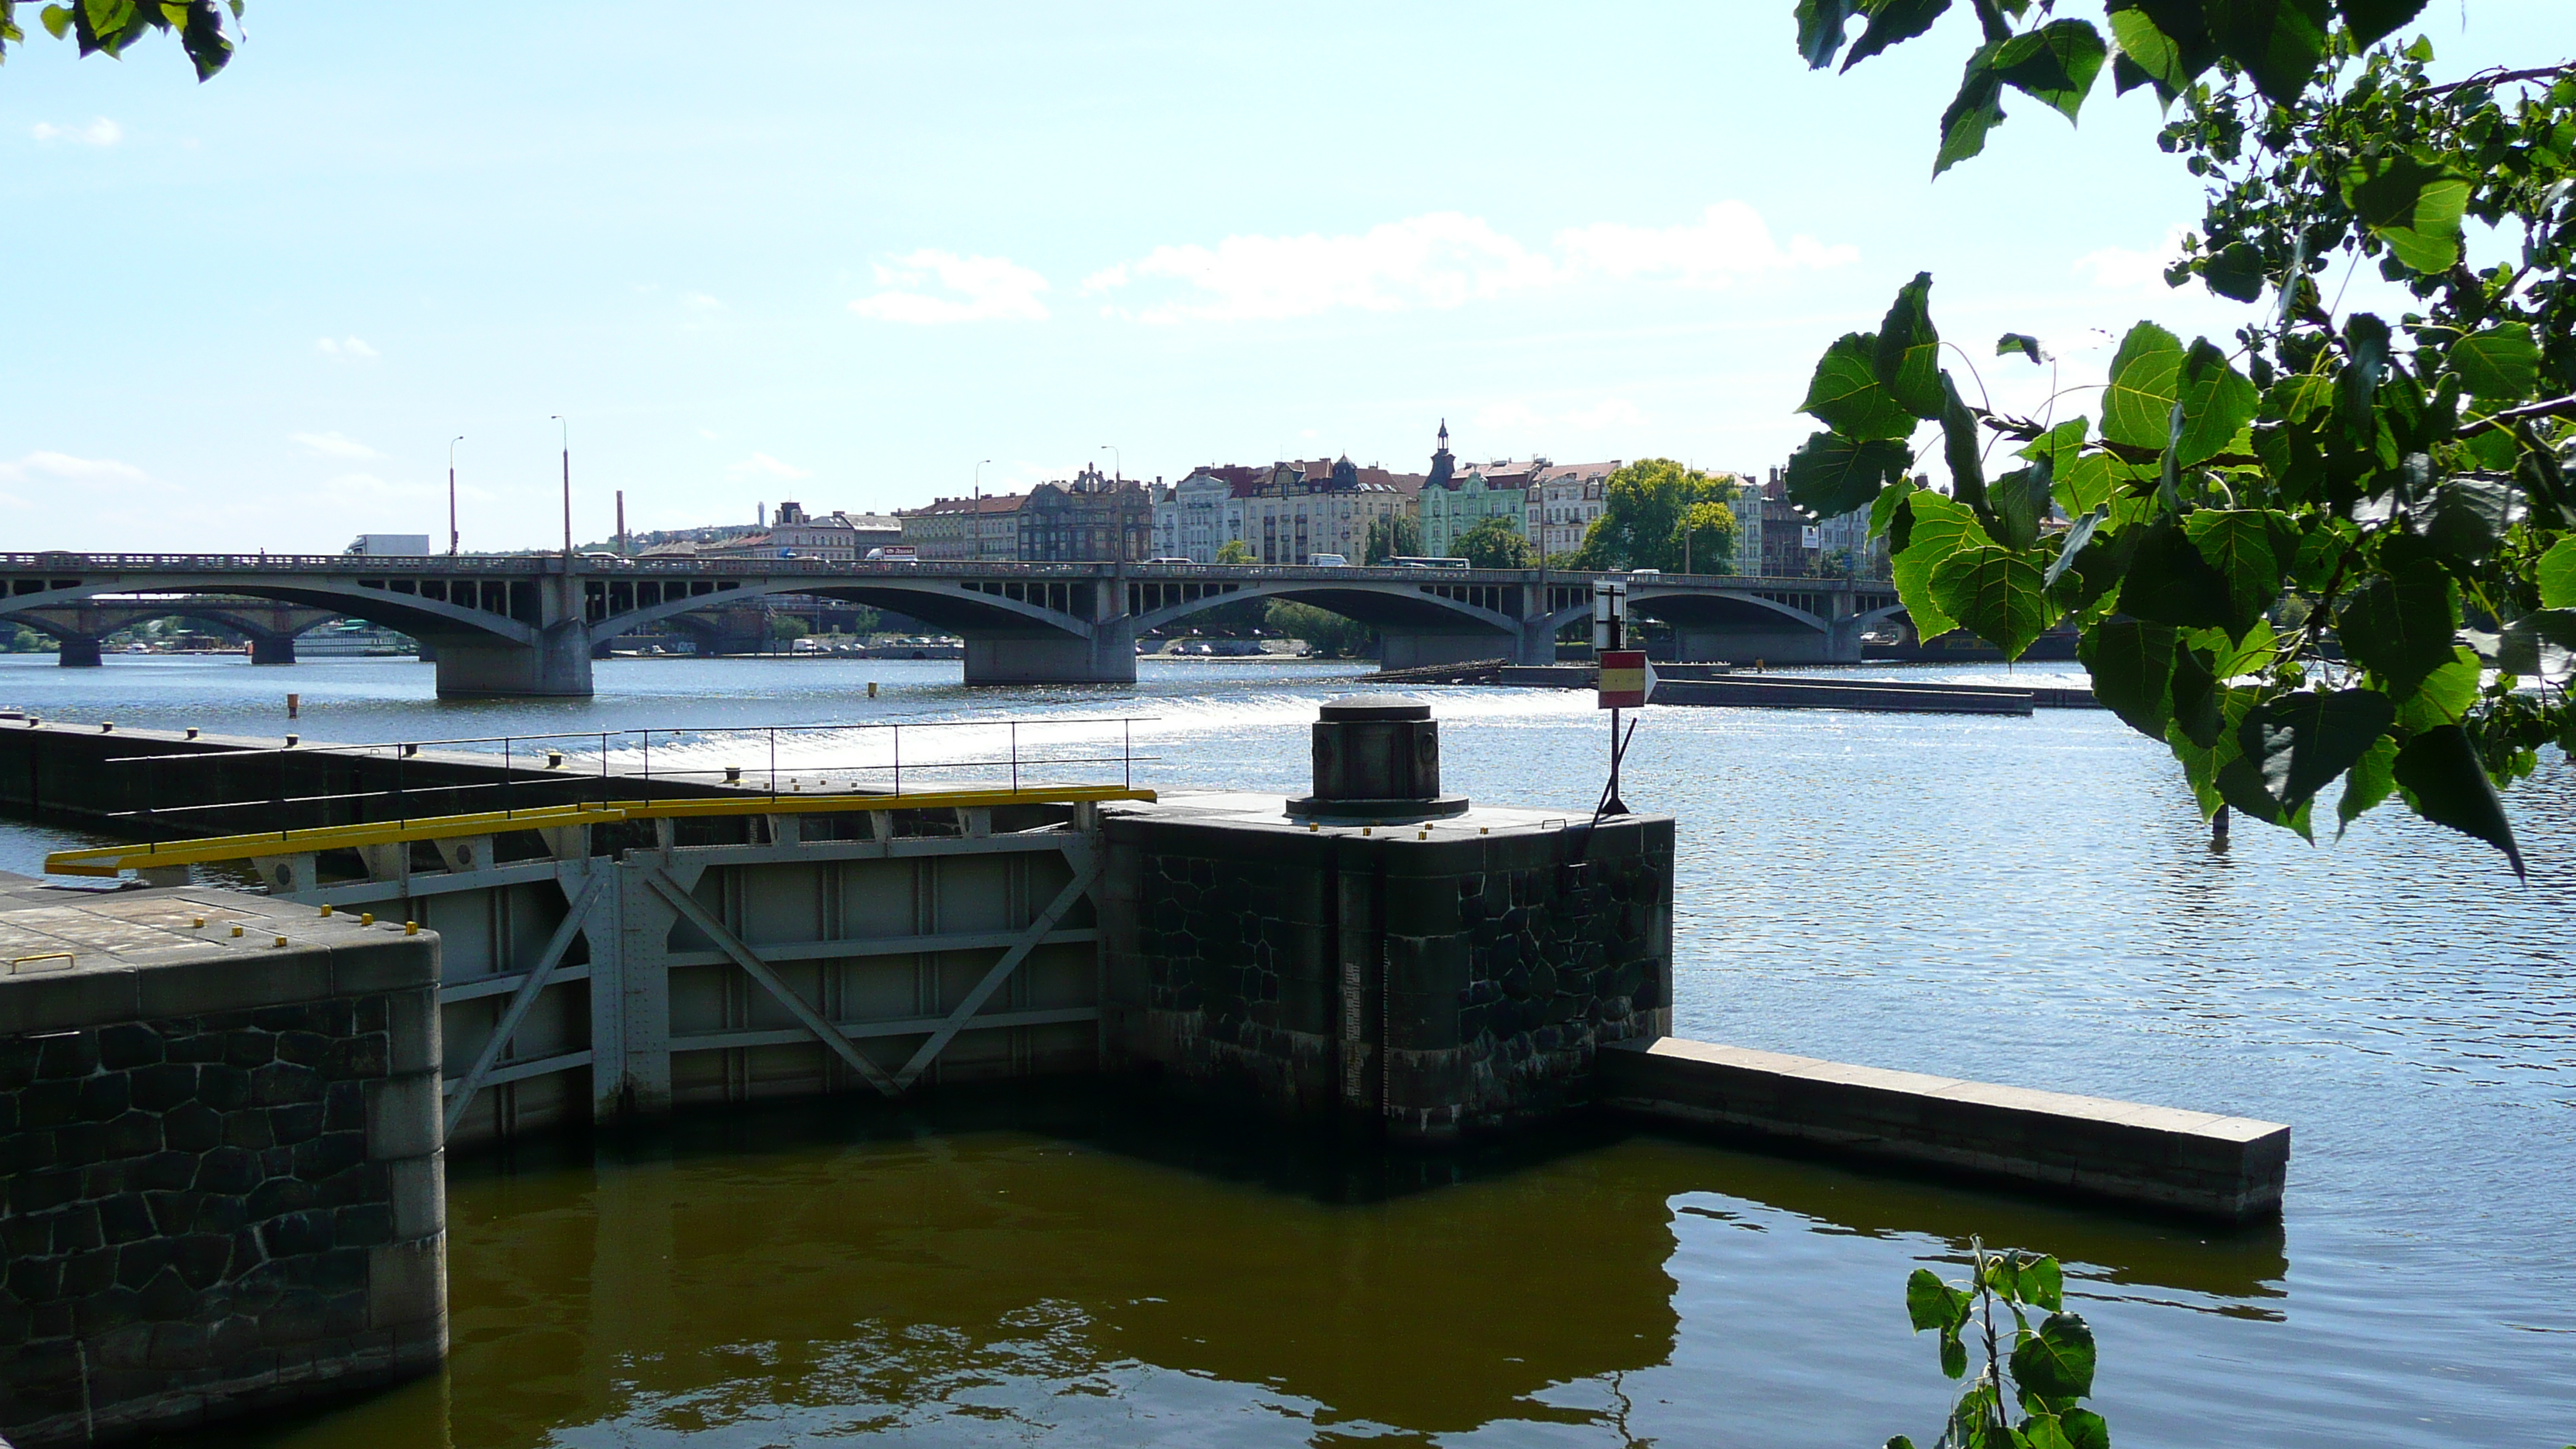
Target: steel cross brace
(465,1087)
(1084,874)
(749,960)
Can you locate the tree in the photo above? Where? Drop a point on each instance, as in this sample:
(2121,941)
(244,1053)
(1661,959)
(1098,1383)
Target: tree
(107,27)
(1324,631)
(1235,551)
(788,627)
(1643,507)
(1495,543)
(2408,482)
(1392,535)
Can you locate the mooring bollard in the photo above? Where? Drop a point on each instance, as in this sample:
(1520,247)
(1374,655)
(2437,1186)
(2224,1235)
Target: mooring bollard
(294,705)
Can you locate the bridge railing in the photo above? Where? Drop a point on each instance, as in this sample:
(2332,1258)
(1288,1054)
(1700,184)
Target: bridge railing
(433,564)
(615,768)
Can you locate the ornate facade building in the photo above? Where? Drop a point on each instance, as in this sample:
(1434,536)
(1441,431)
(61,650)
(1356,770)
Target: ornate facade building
(1562,501)
(1093,519)
(1453,502)
(958,530)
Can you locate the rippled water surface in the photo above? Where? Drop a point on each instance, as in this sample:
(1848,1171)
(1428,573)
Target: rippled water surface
(2022,900)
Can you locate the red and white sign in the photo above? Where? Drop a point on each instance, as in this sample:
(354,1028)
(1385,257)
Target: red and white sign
(1626,679)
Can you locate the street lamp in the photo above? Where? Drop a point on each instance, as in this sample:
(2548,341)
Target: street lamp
(451,493)
(975,519)
(1117,460)
(567,472)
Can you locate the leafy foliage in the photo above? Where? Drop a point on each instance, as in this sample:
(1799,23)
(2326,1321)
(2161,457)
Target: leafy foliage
(1646,506)
(1325,632)
(1235,551)
(107,27)
(2288,555)
(2043,1375)
(1495,543)
(1392,535)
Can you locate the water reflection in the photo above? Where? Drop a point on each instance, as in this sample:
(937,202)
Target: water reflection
(1072,1265)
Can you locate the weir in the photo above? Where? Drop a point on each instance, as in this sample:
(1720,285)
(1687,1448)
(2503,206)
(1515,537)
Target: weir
(611,944)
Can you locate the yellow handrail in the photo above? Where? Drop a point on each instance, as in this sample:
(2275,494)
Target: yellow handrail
(108,860)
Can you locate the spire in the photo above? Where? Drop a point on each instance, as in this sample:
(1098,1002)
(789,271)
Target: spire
(1444,435)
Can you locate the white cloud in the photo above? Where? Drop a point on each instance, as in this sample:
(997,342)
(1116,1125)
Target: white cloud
(701,302)
(1729,241)
(763,464)
(2118,269)
(64,468)
(1445,259)
(101,132)
(334,445)
(1442,259)
(1610,412)
(984,289)
(344,349)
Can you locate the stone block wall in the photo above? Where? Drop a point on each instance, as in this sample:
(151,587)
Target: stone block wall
(220,1175)
(1446,985)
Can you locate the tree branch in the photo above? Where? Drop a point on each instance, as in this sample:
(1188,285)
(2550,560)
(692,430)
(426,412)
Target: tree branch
(2558,407)
(2497,77)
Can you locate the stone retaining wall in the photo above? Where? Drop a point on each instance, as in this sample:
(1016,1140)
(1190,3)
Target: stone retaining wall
(220,1159)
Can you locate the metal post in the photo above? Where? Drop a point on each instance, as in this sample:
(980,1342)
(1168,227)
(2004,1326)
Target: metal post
(567,489)
(451,493)
(1127,752)
(773,764)
(505,777)
(898,759)
(1015,757)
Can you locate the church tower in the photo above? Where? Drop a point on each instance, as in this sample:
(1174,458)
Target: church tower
(1442,465)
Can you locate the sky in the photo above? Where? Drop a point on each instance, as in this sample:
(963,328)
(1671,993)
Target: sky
(864,255)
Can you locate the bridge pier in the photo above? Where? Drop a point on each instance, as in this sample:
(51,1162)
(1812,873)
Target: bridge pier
(557,666)
(1107,656)
(78,654)
(272,648)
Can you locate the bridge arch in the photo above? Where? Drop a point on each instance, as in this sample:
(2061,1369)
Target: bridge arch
(959,608)
(413,614)
(1379,605)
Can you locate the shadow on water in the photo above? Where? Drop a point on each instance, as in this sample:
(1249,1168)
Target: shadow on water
(1068,1260)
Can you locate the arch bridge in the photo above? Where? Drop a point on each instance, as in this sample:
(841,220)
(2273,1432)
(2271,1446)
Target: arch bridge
(530,624)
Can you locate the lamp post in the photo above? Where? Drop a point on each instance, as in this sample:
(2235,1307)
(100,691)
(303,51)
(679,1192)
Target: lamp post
(975,519)
(567,475)
(1117,460)
(451,493)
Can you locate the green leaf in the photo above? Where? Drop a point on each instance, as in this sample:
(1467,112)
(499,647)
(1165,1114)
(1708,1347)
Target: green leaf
(2466,517)
(1892,22)
(2367,783)
(2558,575)
(2040,1431)
(1937,527)
(1931,1303)
(2021,342)
(2167,43)
(2169,581)
(2299,742)
(2412,206)
(1845,394)
(2445,695)
(1962,447)
(1908,357)
(2256,653)
(2043,1283)
(1820,29)
(2019,500)
(2092,480)
(2357,390)
(58,20)
(2399,626)
(2217,403)
(2368,20)
(1900,1442)
(2250,548)
(2235,271)
(1954,1354)
(2208,756)
(2132,665)
(2057,1361)
(1996,594)
(2072,545)
(2498,366)
(2054,64)
(1832,475)
(2138,410)
(2279,42)
(1975,110)
(2445,783)
(1882,513)
(2083,1428)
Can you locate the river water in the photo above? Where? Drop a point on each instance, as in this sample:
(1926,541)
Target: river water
(2029,901)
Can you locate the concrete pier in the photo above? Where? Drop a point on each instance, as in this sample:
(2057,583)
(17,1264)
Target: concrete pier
(2205,1164)
(220,1152)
